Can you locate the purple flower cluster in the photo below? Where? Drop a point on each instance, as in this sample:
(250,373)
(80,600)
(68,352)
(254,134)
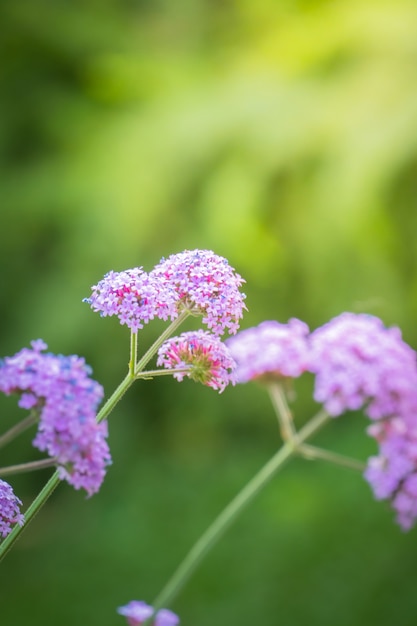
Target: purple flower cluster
(136,612)
(60,390)
(134,296)
(393,473)
(9,509)
(204,283)
(359,362)
(196,280)
(201,356)
(271,350)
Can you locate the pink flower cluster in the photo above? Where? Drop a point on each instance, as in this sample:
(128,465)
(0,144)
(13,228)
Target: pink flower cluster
(196,280)
(9,509)
(136,612)
(271,350)
(60,390)
(201,356)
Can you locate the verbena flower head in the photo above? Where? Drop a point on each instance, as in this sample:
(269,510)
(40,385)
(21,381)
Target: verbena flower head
(271,350)
(201,356)
(9,509)
(60,390)
(357,361)
(136,612)
(205,284)
(133,296)
(393,473)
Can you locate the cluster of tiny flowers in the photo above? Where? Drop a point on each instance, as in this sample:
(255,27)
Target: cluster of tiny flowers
(133,296)
(271,350)
(201,356)
(197,280)
(9,509)
(60,390)
(359,362)
(393,473)
(204,283)
(136,612)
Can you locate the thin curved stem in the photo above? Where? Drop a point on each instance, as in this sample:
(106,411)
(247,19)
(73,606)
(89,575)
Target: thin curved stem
(19,428)
(36,505)
(312,452)
(282,410)
(116,396)
(27,467)
(163,337)
(220,525)
(162,372)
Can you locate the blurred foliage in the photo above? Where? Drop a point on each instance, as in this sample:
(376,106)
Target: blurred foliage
(282,135)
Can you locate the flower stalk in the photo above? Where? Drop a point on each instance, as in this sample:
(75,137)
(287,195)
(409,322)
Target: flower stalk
(19,428)
(232,511)
(31,466)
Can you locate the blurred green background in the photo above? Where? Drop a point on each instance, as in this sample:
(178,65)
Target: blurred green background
(283,136)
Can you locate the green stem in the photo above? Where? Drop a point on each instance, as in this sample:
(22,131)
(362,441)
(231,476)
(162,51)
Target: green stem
(116,396)
(23,425)
(36,505)
(217,529)
(289,433)
(158,343)
(133,353)
(27,467)
(284,415)
(162,372)
(311,452)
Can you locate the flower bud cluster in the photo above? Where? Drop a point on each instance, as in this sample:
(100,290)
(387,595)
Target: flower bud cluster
(201,356)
